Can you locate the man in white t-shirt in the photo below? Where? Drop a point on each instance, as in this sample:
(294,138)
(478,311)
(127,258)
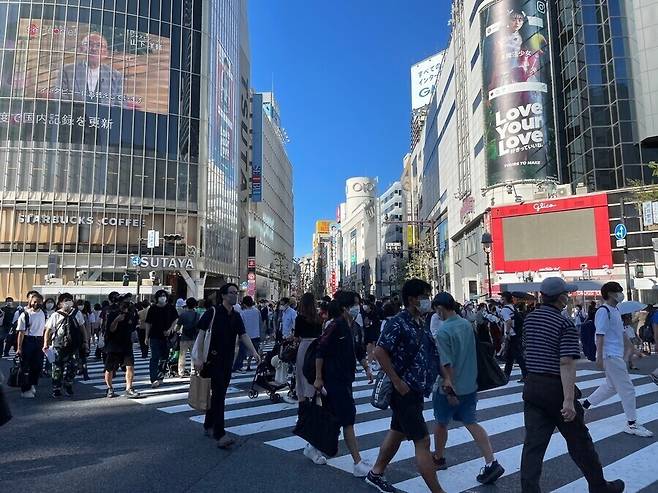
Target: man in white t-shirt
(30,327)
(513,336)
(610,357)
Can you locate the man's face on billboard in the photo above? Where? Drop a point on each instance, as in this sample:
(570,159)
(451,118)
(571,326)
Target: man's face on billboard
(95,46)
(515,22)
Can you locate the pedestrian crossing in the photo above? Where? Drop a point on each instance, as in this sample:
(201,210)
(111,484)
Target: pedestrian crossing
(500,412)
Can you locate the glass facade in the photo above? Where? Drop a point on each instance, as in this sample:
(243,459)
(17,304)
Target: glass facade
(114,120)
(601,130)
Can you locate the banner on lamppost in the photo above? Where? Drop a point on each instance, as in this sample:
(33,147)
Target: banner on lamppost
(517,92)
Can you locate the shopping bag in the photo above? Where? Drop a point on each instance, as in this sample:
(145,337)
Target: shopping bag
(317,426)
(5,413)
(199,395)
(490,375)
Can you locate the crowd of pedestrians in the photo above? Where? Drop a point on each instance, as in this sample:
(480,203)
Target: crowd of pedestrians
(425,346)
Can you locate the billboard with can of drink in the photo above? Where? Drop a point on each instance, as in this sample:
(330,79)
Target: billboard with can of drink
(517,91)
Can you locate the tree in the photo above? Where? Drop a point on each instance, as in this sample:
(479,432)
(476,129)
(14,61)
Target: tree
(646,192)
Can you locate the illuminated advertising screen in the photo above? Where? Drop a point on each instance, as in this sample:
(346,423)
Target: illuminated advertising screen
(86,63)
(518,110)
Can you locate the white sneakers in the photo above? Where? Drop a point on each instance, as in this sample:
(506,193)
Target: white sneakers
(315,455)
(638,430)
(362,469)
(28,394)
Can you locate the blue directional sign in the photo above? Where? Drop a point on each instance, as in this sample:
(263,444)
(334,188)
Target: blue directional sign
(620,231)
(135,261)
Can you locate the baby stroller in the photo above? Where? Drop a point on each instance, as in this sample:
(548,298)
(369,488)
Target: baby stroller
(264,376)
(168,368)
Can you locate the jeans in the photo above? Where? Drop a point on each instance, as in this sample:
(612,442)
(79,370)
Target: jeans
(32,360)
(515,353)
(543,398)
(242,353)
(214,421)
(158,353)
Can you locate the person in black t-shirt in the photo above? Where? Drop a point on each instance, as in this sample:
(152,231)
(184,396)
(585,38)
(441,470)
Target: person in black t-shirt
(160,322)
(226,326)
(119,348)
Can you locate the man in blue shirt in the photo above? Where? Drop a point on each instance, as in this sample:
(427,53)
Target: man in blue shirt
(456,397)
(408,355)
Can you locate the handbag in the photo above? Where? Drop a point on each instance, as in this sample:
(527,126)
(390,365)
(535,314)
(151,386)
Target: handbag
(317,426)
(202,344)
(199,394)
(17,377)
(490,375)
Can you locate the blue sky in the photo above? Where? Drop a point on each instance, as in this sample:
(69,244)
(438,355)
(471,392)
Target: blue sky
(341,77)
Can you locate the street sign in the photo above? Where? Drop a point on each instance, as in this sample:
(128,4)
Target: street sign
(135,261)
(620,231)
(621,243)
(153,239)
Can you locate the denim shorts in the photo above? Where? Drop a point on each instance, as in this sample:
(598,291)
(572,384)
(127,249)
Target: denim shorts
(465,411)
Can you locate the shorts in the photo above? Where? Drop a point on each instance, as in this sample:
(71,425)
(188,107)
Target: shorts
(116,360)
(408,416)
(371,334)
(340,402)
(465,411)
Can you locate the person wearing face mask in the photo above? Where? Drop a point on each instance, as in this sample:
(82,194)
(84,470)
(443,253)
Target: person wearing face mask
(225,325)
(30,328)
(610,358)
(64,336)
(456,397)
(49,307)
(287,318)
(159,324)
(550,395)
(335,368)
(408,354)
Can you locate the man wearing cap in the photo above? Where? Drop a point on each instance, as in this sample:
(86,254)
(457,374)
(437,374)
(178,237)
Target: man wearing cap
(550,393)
(610,357)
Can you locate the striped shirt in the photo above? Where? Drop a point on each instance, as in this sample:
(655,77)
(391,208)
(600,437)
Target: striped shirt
(547,337)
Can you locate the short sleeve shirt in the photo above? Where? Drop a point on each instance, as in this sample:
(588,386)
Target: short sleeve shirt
(456,341)
(416,364)
(37,323)
(609,324)
(161,318)
(225,329)
(548,337)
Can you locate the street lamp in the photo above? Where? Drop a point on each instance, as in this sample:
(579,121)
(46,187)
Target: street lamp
(487,241)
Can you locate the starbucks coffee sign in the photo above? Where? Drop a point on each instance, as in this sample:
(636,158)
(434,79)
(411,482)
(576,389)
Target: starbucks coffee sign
(148,262)
(84,220)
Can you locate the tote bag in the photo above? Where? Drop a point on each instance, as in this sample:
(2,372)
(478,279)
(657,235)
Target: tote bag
(199,395)
(202,344)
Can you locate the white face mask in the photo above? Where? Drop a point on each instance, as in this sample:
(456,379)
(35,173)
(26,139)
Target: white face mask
(49,306)
(354,311)
(618,297)
(67,305)
(425,306)
(162,300)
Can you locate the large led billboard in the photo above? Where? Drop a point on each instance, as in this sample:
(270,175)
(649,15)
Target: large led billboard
(517,92)
(88,63)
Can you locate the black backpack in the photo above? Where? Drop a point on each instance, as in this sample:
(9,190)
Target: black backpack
(309,361)
(646,331)
(68,333)
(517,322)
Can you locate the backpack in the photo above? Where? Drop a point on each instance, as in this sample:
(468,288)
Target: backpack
(517,322)
(68,333)
(646,331)
(309,361)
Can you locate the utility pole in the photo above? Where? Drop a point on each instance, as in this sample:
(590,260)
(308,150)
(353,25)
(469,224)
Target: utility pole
(627,267)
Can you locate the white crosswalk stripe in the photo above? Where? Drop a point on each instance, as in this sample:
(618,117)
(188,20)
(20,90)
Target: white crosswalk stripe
(500,411)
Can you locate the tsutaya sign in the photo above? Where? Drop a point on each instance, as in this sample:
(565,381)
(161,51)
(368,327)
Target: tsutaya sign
(147,262)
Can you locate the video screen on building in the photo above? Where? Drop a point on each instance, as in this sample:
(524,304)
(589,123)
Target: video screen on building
(551,235)
(517,91)
(87,63)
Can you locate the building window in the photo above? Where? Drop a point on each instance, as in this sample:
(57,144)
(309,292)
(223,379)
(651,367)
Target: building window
(478,147)
(475,57)
(477,101)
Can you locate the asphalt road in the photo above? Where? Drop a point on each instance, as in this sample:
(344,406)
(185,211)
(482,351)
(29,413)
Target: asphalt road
(91,443)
